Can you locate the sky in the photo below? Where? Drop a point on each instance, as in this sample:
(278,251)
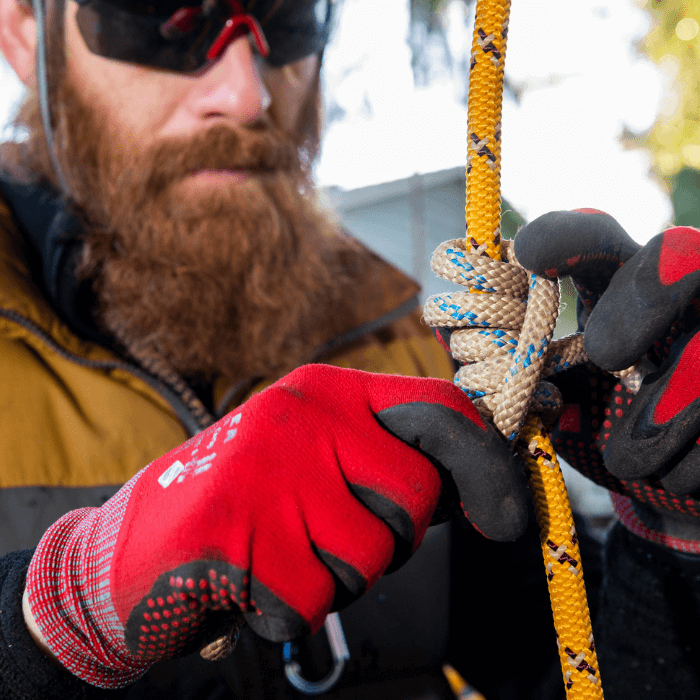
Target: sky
(582,83)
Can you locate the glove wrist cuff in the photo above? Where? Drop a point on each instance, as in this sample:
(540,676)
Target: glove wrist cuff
(68,593)
(627,516)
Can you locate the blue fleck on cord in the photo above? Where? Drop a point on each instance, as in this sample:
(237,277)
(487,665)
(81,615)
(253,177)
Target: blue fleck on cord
(455,310)
(498,333)
(455,381)
(514,368)
(452,256)
(558,363)
(458,259)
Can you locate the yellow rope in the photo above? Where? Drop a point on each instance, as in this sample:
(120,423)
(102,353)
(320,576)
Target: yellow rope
(483,208)
(483,214)
(567,590)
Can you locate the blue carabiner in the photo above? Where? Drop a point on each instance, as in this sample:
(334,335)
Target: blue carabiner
(341,654)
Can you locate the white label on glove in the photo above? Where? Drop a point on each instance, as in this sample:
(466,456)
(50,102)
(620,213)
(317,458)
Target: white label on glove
(230,434)
(202,464)
(171,473)
(178,471)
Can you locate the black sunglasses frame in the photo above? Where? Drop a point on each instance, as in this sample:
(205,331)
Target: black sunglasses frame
(186,38)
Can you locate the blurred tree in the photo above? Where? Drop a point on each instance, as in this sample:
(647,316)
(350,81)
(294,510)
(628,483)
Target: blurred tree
(674,141)
(674,43)
(685,195)
(431,54)
(432,24)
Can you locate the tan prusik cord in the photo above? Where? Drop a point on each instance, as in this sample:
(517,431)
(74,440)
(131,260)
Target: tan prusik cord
(506,321)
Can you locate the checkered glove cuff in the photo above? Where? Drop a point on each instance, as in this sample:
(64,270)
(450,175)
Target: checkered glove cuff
(69,596)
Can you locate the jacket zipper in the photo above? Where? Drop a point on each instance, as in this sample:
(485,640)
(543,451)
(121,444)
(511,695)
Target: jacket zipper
(192,414)
(189,421)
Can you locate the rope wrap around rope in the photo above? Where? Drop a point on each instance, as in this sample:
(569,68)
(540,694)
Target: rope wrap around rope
(505,336)
(508,335)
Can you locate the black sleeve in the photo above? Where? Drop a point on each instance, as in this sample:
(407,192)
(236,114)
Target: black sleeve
(25,672)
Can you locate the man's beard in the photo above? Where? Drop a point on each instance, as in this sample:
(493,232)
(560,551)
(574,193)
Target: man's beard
(241,281)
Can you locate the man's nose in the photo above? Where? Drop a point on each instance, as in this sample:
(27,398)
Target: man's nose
(231,88)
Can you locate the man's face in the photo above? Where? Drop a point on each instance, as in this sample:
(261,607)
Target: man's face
(146,106)
(202,236)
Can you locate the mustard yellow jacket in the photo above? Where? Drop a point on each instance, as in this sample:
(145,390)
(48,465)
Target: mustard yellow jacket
(77,420)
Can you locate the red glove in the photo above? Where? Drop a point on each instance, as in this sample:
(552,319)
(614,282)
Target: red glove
(636,301)
(291,505)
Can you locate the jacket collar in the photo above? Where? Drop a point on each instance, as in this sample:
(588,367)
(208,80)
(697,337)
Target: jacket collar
(53,235)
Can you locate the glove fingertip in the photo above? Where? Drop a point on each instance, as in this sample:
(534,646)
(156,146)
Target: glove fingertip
(271,618)
(563,243)
(612,352)
(624,462)
(682,483)
(504,524)
(277,629)
(349,583)
(588,210)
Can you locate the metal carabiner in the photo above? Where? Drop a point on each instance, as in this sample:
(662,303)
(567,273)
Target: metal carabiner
(341,654)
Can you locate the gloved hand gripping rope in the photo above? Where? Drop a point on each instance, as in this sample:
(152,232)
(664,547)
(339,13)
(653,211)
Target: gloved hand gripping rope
(506,321)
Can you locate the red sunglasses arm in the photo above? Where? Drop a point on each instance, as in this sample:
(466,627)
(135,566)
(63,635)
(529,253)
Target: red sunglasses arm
(235,27)
(240,23)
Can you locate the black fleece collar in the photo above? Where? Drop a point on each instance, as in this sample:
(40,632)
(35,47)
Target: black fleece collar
(54,236)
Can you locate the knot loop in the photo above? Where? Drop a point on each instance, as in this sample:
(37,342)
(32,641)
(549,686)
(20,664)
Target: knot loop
(502,334)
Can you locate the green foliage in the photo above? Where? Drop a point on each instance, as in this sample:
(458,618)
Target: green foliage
(685,195)
(511,220)
(674,140)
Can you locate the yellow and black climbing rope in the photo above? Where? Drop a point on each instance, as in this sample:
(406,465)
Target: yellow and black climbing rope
(483,238)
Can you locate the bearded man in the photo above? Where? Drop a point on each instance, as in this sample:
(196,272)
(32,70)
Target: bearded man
(218,407)
(219,412)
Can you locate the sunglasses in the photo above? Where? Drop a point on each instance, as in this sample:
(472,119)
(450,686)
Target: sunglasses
(165,34)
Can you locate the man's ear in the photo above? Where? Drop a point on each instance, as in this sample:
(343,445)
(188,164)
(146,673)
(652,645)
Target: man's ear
(18,38)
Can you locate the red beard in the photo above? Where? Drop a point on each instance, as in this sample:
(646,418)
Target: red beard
(240,281)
